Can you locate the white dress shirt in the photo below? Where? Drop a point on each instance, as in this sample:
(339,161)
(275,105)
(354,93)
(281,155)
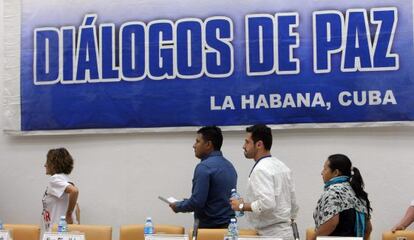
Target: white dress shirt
(271,192)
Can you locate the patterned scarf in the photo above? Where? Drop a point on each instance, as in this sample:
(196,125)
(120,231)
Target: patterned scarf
(337,197)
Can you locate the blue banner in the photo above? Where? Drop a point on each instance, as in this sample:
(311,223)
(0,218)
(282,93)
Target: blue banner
(146,64)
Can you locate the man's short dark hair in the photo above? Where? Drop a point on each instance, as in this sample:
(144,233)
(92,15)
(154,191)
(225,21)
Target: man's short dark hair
(213,134)
(261,132)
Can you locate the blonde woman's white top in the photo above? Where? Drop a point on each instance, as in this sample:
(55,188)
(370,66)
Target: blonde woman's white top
(55,201)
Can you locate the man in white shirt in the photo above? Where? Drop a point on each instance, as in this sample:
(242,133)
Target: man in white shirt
(270,202)
(407,219)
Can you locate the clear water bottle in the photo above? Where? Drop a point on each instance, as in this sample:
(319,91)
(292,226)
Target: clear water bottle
(235,195)
(63,225)
(148,227)
(233,230)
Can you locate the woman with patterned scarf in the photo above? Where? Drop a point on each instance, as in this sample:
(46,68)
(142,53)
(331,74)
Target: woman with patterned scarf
(344,208)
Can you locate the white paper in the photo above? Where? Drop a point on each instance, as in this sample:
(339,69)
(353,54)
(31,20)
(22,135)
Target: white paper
(63,236)
(168,200)
(258,238)
(338,238)
(4,235)
(166,237)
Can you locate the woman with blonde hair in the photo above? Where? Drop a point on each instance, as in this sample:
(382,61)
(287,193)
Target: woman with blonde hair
(61,195)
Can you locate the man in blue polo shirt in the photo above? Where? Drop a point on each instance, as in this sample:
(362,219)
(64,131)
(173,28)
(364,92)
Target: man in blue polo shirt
(214,177)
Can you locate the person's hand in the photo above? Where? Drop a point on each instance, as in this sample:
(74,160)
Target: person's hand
(397,227)
(173,206)
(235,203)
(69,218)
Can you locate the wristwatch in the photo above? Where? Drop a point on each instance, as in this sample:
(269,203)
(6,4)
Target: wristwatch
(241,206)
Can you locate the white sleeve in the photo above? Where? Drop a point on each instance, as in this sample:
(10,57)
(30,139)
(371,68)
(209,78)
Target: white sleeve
(57,185)
(412,203)
(264,191)
(294,205)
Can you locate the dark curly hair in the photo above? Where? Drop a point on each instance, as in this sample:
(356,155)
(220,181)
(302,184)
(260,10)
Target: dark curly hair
(59,160)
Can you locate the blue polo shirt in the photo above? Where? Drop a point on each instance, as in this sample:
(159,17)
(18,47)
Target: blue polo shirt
(214,177)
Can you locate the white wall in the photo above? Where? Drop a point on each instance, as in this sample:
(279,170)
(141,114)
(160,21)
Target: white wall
(120,176)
